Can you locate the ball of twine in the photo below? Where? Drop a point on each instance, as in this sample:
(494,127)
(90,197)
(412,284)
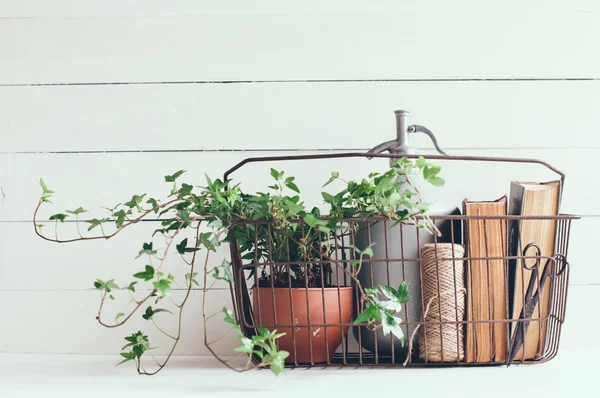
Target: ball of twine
(443,289)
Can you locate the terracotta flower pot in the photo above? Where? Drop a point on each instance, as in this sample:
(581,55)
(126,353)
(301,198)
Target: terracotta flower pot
(322,340)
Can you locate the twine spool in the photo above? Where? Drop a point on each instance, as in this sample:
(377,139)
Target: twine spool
(443,289)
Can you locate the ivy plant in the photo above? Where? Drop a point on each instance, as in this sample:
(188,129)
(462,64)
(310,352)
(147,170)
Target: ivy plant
(291,233)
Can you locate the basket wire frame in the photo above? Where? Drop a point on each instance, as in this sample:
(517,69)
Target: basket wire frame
(351,351)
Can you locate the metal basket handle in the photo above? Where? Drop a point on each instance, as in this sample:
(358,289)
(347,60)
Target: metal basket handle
(395,156)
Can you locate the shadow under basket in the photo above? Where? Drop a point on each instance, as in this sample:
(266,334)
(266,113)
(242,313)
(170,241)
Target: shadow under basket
(327,310)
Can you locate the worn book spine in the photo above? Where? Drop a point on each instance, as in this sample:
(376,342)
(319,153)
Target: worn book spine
(487,293)
(531,199)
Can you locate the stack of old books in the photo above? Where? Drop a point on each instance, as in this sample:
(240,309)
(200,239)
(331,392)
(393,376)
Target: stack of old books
(495,285)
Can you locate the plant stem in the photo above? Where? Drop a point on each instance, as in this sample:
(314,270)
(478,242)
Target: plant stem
(213,315)
(77,225)
(125,225)
(236,357)
(222,336)
(180,315)
(160,330)
(155,360)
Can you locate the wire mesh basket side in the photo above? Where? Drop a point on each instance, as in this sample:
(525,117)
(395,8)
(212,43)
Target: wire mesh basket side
(257,295)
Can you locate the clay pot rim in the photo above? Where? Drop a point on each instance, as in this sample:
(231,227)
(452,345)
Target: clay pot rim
(310,288)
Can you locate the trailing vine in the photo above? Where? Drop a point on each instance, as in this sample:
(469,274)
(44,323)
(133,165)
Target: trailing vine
(291,232)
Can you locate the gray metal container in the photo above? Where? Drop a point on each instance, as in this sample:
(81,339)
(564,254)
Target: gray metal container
(399,242)
(403,241)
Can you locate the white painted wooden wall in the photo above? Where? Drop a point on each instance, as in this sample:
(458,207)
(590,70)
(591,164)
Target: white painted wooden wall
(104,98)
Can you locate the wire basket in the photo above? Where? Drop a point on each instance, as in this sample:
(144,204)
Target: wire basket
(438,322)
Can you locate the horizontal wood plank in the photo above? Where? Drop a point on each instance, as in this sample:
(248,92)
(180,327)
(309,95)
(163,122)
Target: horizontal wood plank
(485,44)
(297,115)
(148,8)
(96,180)
(28,263)
(63,322)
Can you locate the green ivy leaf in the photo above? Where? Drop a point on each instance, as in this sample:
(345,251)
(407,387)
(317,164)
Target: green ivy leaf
(146,249)
(229,317)
(334,175)
(388,291)
(289,182)
(152,202)
(369,314)
(422,207)
(60,217)
(129,356)
(276,174)
(431,171)
(207,239)
(96,222)
(391,324)
(368,252)
(247,344)
(228,277)
(138,350)
(123,361)
(163,287)
(46,193)
(181,246)
(119,315)
(174,177)
(106,286)
(148,314)
(110,284)
(293,207)
(121,216)
(391,305)
(436,181)
(77,211)
(45,189)
(151,312)
(226,267)
(192,277)
(402,214)
(147,274)
(277,362)
(328,198)
(185,189)
(313,221)
(402,293)
(216,224)
(185,216)
(136,201)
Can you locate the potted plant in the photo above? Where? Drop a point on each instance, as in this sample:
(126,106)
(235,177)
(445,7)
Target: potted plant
(291,234)
(289,267)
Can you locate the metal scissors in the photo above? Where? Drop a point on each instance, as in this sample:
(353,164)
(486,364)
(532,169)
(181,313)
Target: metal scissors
(531,299)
